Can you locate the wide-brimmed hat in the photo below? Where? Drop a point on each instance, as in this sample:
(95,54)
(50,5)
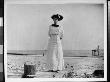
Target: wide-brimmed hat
(57,16)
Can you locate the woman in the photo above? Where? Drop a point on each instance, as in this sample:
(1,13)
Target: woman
(55,60)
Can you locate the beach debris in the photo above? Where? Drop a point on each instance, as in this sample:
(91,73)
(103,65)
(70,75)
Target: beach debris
(29,69)
(98,73)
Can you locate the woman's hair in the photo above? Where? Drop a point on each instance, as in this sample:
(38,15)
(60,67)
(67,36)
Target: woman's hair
(57,16)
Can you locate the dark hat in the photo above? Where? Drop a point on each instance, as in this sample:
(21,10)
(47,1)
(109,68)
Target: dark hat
(57,16)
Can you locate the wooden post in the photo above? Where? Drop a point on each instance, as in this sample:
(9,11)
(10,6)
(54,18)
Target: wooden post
(98,50)
(29,69)
(92,53)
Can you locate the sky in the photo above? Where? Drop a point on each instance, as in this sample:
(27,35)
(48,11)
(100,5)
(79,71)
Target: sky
(27,26)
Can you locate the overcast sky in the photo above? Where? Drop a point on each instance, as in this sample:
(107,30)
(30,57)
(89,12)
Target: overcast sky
(27,26)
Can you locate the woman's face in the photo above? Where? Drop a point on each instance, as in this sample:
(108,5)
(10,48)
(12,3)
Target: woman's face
(55,21)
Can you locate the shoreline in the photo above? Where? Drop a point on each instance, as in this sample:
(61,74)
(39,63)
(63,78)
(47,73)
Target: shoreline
(64,56)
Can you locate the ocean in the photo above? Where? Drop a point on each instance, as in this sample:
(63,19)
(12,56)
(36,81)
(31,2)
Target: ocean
(66,53)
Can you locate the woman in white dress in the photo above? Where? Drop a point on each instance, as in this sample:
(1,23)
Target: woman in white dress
(55,61)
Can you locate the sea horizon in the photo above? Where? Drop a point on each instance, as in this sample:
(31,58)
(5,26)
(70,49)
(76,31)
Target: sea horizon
(66,53)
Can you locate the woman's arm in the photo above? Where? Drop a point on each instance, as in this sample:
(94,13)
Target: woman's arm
(61,34)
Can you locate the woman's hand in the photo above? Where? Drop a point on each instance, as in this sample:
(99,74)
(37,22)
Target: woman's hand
(60,38)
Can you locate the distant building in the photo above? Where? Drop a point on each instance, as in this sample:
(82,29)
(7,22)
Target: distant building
(98,52)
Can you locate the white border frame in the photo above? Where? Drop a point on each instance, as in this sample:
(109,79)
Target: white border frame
(55,2)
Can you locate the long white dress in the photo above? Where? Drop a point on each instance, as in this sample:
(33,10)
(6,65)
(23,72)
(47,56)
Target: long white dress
(55,59)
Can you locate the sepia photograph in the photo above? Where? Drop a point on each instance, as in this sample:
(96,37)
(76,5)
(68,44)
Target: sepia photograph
(55,40)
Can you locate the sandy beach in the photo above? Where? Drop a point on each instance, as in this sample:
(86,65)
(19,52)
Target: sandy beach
(79,65)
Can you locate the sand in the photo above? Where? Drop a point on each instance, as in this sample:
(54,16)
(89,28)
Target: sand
(79,65)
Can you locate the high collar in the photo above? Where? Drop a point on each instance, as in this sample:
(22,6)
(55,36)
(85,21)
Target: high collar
(55,25)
